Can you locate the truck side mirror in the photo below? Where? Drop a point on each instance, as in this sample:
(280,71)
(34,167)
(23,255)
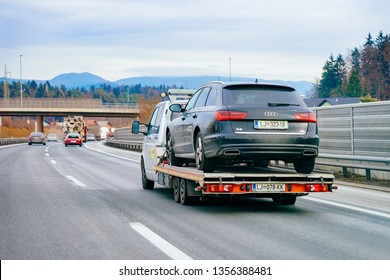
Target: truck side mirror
(135,127)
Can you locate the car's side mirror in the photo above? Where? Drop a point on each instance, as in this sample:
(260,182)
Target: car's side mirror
(176,108)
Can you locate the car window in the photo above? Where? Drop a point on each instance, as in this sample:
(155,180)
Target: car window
(154,125)
(192,101)
(201,101)
(260,96)
(212,98)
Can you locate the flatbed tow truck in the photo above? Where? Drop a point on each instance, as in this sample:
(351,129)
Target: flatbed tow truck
(282,185)
(189,184)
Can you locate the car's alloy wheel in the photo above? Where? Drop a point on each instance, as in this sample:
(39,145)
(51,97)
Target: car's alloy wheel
(172,159)
(202,163)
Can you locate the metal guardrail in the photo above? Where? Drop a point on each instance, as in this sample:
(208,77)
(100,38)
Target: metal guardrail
(355,136)
(358,162)
(9,141)
(128,145)
(351,136)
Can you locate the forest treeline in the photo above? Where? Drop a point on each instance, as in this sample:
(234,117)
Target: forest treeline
(364,72)
(106,92)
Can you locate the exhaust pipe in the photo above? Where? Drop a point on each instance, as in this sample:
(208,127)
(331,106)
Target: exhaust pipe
(309,153)
(231,153)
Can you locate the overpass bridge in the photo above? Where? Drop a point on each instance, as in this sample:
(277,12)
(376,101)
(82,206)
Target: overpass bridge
(87,107)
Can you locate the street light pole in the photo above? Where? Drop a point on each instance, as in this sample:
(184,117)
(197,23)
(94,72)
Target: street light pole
(230,68)
(21,90)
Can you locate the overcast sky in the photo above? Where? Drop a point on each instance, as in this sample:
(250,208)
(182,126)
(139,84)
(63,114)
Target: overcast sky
(115,39)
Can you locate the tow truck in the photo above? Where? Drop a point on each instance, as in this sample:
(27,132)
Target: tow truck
(189,184)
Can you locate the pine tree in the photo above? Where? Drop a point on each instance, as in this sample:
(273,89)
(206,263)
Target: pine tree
(333,75)
(354,88)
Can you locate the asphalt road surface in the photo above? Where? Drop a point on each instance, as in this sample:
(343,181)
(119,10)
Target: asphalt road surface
(87,202)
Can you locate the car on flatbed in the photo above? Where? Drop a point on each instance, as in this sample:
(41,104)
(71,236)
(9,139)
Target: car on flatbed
(243,122)
(190,184)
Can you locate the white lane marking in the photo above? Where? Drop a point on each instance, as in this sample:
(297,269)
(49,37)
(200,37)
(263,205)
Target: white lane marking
(125,158)
(77,182)
(47,155)
(53,161)
(166,247)
(385,215)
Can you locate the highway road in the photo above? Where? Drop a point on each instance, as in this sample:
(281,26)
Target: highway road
(77,203)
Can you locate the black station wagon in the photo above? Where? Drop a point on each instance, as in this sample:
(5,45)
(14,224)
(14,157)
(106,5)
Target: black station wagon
(252,123)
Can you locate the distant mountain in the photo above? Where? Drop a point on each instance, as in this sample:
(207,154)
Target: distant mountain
(78,80)
(193,82)
(72,80)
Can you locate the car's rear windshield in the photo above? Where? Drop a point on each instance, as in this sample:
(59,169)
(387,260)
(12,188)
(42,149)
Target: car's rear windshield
(73,136)
(261,96)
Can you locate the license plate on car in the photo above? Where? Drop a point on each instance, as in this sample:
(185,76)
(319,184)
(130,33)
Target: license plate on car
(268,187)
(267,124)
(73,141)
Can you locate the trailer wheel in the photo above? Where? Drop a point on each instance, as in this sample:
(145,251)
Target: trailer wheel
(176,189)
(146,184)
(184,198)
(285,199)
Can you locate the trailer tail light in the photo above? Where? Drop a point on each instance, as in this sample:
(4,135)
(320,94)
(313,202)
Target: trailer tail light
(230,115)
(317,188)
(306,117)
(221,188)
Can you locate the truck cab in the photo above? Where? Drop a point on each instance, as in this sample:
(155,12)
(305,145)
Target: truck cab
(154,143)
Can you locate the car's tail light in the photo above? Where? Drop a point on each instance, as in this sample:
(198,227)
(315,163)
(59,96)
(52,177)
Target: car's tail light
(306,117)
(230,115)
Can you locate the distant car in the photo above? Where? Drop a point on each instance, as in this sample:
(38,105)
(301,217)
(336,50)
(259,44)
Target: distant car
(52,138)
(252,123)
(37,138)
(91,137)
(73,139)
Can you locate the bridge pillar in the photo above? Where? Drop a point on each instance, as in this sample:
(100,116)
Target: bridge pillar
(40,123)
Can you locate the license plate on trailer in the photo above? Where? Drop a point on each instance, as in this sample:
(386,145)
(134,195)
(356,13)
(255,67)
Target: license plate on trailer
(266,124)
(271,187)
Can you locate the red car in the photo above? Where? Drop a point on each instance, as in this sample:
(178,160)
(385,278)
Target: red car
(73,139)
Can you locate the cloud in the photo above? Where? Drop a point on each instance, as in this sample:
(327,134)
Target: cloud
(116,38)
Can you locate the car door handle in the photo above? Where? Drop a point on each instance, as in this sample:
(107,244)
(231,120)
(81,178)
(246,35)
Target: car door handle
(183,118)
(195,116)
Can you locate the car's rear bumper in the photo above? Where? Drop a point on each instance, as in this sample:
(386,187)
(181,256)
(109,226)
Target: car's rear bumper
(267,147)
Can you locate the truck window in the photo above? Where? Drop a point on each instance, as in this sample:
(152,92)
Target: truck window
(155,121)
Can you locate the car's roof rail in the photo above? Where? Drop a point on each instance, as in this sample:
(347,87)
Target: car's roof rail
(214,82)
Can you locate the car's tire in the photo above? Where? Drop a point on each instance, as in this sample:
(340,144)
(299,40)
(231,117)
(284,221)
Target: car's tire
(44,144)
(66,145)
(146,183)
(305,165)
(185,199)
(201,162)
(172,159)
(176,189)
(30,143)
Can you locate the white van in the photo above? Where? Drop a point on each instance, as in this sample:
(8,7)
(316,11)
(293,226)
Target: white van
(155,140)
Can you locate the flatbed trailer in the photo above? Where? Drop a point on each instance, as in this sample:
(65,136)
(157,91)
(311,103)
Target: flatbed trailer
(283,186)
